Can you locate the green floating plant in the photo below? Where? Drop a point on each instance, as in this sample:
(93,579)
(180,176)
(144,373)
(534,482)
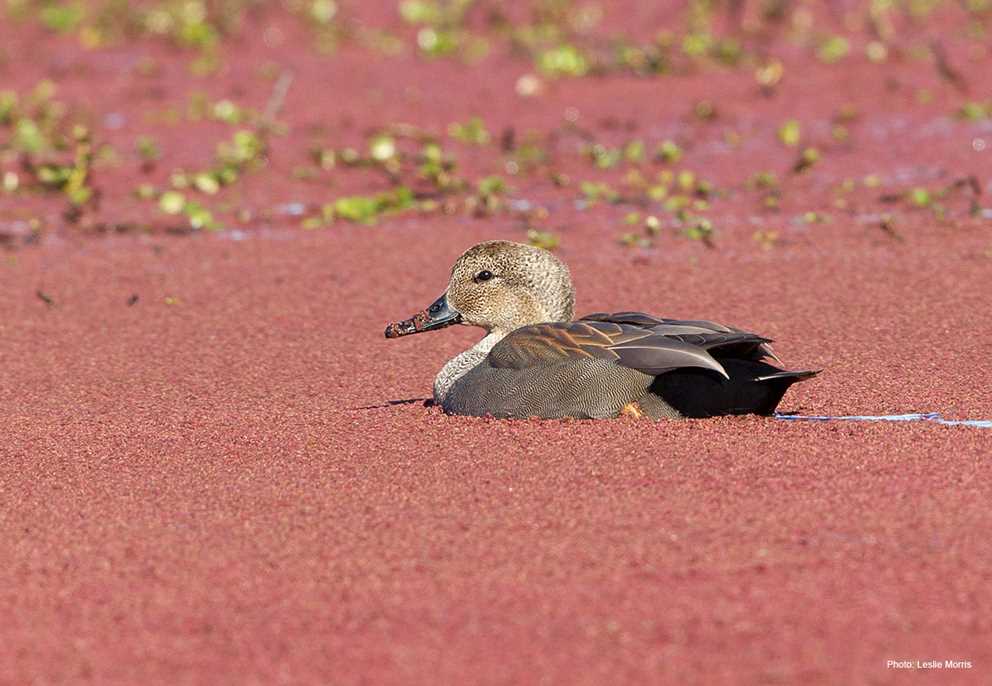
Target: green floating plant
(473,132)
(245,150)
(543,239)
(72,179)
(807,158)
(595,191)
(790,133)
(833,49)
(198,216)
(61,17)
(975,111)
(563,60)
(700,229)
(367,209)
(669,152)
(148,149)
(442,29)
(603,157)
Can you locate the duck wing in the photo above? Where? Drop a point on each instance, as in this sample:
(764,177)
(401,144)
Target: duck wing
(724,341)
(628,345)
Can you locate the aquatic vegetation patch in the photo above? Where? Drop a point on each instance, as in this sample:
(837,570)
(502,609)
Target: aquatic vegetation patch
(54,150)
(643,175)
(937,200)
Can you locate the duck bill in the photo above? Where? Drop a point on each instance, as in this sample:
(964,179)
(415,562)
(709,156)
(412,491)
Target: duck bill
(439,315)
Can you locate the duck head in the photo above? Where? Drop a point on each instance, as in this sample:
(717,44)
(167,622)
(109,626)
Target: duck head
(499,286)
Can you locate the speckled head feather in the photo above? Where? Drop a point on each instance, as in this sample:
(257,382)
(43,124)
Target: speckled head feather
(502,285)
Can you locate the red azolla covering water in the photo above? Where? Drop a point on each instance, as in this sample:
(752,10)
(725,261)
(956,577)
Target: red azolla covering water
(234,477)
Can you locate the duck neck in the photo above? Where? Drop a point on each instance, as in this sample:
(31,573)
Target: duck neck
(458,365)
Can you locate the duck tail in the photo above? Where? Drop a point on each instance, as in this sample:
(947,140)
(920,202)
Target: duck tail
(789,377)
(753,388)
(776,384)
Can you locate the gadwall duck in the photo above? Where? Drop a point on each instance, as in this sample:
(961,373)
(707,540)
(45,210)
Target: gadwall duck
(536,362)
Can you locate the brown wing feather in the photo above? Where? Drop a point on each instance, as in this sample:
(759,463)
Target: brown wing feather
(681,327)
(629,346)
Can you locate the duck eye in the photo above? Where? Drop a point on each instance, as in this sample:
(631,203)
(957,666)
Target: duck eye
(484,275)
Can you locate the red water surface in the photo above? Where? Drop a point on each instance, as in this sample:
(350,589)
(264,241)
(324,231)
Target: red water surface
(219,490)
(214,469)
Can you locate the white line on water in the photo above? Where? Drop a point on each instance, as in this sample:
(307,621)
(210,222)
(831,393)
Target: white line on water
(914,417)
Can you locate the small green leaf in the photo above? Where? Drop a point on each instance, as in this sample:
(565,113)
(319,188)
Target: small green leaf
(543,239)
(789,133)
(564,60)
(833,49)
(172,202)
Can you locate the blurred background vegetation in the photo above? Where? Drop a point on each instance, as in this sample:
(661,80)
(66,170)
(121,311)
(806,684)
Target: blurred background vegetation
(81,150)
